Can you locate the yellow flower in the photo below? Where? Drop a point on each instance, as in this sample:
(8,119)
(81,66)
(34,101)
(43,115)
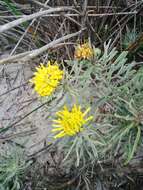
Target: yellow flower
(69,123)
(83,51)
(46,78)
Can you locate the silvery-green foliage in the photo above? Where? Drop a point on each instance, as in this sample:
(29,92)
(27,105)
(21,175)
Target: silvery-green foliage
(12,166)
(113,89)
(119,88)
(129,38)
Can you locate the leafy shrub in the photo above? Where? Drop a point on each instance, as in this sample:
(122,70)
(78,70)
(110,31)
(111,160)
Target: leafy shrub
(112,88)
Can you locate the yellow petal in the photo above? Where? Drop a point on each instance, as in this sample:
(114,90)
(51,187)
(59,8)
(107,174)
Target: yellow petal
(88,109)
(61,134)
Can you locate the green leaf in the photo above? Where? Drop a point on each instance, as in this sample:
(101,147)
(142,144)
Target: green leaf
(137,139)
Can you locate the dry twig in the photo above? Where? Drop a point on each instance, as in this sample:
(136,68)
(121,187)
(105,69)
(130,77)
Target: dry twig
(32,16)
(32,54)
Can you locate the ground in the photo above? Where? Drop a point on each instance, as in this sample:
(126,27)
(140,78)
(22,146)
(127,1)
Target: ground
(17,99)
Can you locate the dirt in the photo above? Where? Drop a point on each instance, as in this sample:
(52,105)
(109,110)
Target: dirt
(17,99)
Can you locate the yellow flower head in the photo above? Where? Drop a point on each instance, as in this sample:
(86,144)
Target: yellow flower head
(46,79)
(69,123)
(83,51)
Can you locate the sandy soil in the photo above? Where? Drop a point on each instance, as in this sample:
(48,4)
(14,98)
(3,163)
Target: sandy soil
(16,100)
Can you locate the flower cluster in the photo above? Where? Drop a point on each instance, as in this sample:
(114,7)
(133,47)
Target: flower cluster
(47,78)
(84,51)
(69,123)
